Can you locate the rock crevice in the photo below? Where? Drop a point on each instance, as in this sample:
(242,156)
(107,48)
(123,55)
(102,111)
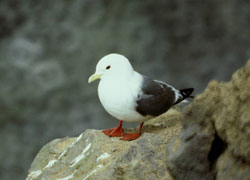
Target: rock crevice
(217,148)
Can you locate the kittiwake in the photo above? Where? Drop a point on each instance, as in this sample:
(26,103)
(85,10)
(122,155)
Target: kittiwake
(130,96)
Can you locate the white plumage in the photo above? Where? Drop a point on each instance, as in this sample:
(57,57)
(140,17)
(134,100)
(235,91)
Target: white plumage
(119,87)
(130,96)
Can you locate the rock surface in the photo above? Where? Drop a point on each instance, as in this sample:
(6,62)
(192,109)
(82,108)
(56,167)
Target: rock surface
(93,155)
(214,142)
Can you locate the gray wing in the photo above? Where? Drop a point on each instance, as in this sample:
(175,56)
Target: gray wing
(156,97)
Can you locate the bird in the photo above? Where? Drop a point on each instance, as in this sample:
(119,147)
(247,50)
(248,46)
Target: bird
(130,96)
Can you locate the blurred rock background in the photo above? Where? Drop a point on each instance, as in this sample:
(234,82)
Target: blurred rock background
(48,49)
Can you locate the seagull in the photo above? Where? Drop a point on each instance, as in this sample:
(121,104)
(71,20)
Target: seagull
(132,97)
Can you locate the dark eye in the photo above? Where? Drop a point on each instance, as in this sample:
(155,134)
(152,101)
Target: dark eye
(108,67)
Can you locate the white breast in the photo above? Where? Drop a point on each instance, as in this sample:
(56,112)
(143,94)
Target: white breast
(118,97)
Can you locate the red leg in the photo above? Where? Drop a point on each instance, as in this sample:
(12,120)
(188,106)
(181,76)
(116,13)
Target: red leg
(132,136)
(114,132)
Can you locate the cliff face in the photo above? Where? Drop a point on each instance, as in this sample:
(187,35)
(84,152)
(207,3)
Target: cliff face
(209,140)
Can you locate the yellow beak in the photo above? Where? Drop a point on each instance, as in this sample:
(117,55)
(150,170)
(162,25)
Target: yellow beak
(94,77)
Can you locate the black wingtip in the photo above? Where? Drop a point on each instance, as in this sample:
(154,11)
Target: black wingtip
(186,92)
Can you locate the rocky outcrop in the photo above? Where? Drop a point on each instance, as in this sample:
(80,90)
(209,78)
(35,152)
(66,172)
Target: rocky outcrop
(93,155)
(214,141)
(209,140)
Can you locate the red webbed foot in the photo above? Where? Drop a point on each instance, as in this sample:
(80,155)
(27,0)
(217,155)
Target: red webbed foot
(114,132)
(132,136)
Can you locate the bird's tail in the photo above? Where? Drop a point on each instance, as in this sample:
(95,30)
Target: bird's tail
(184,93)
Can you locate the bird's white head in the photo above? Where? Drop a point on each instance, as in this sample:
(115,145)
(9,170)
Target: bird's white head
(112,66)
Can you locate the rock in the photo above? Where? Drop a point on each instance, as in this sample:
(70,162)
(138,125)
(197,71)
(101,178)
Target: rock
(214,141)
(188,155)
(93,155)
(229,167)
